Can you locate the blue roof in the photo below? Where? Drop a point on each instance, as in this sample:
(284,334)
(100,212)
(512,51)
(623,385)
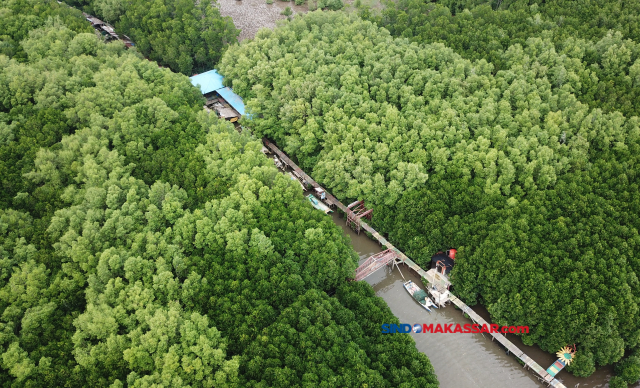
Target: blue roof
(233,99)
(208,81)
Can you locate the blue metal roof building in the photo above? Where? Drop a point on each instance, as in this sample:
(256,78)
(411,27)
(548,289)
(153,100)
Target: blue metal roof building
(233,99)
(208,82)
(211,81)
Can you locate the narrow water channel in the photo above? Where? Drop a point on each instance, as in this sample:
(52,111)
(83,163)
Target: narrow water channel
(460,360)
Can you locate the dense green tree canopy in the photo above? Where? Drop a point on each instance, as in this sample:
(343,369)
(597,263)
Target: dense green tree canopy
(536,189)
(18,17)
(188,37)
(596,40)
(144,242)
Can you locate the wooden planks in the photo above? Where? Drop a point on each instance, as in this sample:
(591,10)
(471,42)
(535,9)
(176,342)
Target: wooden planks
(508,344)
(556,383)
(329,198)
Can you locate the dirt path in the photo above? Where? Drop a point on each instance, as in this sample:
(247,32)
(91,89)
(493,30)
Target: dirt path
(251,15)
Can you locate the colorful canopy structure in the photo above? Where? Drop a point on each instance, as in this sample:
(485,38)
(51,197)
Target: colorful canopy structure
(565,356)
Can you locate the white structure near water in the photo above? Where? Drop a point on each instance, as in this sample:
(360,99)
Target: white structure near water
(438,286)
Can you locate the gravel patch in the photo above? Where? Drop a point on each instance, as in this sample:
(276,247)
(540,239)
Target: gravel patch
(251,15)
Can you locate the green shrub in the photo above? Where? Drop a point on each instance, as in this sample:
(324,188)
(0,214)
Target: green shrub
(333,5)
(629,369)
(617,382)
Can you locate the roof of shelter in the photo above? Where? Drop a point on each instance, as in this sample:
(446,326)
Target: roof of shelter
(446,261)
(233,99)
(209,81)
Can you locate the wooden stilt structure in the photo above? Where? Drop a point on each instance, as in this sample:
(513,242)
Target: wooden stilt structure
(357,211)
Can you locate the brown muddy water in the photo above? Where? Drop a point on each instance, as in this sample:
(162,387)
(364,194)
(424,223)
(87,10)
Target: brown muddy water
(460,360)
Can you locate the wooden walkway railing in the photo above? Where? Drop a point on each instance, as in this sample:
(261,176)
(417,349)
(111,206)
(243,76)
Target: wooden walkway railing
(542,373)
(374,263)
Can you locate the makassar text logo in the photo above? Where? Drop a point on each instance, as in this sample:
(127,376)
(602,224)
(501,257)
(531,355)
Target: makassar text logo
(391,328)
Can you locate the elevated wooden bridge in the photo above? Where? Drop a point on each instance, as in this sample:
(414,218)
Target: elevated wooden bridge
(377,261)
(374,263)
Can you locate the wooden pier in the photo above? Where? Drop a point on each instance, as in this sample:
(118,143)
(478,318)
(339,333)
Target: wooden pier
(540,371)
(330,199)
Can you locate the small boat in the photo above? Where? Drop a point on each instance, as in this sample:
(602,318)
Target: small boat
(419,295)
(278,163)
(294,178)
(319,205)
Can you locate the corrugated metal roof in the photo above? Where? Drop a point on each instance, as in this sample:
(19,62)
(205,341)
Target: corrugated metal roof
(233,99)
(208,81)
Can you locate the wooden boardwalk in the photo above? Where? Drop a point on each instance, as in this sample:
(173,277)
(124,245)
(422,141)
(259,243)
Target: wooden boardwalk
(288,162)
(540,371)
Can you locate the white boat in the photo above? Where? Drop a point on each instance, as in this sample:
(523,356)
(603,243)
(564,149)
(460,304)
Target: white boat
(318,204)
(294,178)
(419,295)
(278,163)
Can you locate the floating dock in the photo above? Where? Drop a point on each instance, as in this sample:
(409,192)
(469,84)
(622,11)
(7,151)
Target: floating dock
(374,263)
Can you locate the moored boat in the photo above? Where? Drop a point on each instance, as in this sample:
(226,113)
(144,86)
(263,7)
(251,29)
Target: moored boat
(419,295)
(294,178)
(318,204)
